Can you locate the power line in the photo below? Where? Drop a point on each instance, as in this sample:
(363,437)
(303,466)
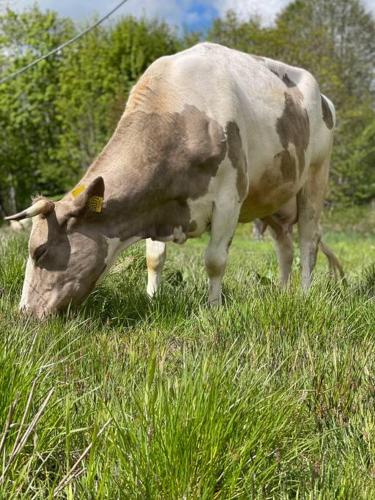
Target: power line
(63,45)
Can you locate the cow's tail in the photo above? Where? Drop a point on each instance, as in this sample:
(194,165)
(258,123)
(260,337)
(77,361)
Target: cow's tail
(329,111)
(335,268)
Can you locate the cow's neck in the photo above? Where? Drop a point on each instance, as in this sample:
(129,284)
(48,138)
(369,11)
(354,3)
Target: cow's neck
(139,217)
(139,200)
(140,209)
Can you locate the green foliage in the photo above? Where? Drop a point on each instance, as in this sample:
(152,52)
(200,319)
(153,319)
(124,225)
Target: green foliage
(29,130)
(271,396)
(354,169)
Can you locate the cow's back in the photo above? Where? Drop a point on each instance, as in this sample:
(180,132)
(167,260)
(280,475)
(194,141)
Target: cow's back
(277,109)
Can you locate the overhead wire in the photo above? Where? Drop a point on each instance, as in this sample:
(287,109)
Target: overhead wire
(63,45)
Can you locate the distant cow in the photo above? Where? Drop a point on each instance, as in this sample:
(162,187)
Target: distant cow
(209,137)
(20,225)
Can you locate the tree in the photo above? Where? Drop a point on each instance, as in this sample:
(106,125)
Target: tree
(28,132)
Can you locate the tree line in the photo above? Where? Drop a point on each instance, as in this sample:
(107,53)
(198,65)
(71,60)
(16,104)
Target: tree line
(56,117)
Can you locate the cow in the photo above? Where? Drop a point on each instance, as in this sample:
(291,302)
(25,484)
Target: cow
(20,226)
(210,137)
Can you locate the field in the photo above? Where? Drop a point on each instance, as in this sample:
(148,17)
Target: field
(271,396)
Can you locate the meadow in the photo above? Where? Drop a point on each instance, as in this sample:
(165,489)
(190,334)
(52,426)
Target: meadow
(270,396)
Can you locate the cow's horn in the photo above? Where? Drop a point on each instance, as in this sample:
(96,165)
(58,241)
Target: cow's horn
(41,206)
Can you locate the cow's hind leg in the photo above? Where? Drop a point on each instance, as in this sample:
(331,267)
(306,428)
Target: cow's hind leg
(282,236)
(281,226)
(310,204)
(155,257)
(223,223)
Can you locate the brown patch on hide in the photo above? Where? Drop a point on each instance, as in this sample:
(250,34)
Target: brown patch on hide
(286,163)
(288,82)
(237,157)
(294,127)
(173,156)
(266,194)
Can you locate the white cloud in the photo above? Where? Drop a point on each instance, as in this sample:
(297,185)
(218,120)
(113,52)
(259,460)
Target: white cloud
(370,4)
(266,10)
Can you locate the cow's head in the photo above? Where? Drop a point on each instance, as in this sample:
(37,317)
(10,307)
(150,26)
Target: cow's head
(67,250)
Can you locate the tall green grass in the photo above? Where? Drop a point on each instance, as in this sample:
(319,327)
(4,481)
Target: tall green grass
(271,396)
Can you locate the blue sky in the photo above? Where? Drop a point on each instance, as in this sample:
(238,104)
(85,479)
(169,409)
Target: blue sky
(193,14)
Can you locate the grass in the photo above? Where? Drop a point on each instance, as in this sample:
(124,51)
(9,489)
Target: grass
(271,396)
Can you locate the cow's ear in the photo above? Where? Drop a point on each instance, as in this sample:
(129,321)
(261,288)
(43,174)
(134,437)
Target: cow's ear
(88,199)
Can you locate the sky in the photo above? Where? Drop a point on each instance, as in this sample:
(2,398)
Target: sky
(190,14)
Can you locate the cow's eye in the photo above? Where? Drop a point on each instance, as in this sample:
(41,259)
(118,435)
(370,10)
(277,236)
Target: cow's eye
(40,252)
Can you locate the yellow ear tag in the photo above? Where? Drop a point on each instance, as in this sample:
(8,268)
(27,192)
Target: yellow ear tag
(78,190)
(95,204)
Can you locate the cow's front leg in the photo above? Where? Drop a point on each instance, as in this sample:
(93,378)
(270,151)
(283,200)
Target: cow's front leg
(223,224)
(155,256)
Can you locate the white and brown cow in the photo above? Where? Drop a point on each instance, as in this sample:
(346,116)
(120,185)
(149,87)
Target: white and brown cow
(210,137)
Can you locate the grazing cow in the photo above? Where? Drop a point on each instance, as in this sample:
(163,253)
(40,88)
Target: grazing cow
(209,137)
